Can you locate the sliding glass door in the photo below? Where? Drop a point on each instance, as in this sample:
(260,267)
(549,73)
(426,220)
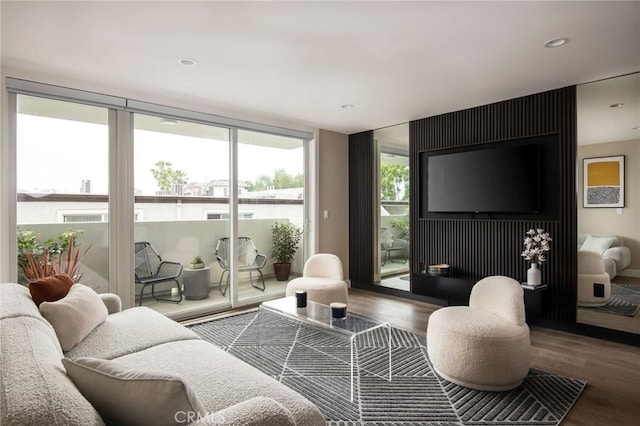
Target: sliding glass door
(183,186)
(270,192)
(62,182)
(181,192)
(200,193)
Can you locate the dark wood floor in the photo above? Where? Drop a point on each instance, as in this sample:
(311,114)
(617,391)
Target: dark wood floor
(612,370)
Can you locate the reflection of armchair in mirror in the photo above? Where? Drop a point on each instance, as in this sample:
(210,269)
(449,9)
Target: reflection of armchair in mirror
(608,112)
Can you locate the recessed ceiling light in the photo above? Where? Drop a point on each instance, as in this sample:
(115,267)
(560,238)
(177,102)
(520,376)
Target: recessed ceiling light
(187,62)
(556,42)
(618,105)
(346,106)
(168,122)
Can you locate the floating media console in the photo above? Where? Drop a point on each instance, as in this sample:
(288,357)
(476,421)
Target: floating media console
(455,291)
(452,290)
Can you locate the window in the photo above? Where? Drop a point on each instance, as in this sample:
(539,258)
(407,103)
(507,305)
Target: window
(183,181)
(241,215)
(75,218)
(79,216)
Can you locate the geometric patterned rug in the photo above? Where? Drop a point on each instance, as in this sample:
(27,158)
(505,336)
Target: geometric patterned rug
(624,300)
(316,363)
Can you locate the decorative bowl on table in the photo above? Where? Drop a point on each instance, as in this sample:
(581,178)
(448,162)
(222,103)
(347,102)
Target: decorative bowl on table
(439,269)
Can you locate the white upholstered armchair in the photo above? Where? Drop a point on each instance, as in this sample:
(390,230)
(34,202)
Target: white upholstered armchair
(322,278)
(485,345)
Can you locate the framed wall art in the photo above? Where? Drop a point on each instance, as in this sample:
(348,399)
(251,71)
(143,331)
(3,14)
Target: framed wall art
(603,182)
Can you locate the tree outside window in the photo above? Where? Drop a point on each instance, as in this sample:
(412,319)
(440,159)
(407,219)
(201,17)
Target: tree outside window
(394,182)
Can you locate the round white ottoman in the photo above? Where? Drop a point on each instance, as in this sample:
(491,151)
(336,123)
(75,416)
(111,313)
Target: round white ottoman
(477,349)
(319,290)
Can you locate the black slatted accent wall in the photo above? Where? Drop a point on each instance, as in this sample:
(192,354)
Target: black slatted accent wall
(492,246)
(361,209)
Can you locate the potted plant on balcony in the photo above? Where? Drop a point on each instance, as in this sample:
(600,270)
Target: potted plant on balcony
(286,237)
(197,263)
(402,226)
(53,256)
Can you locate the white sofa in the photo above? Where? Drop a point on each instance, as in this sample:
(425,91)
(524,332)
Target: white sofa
(615,255)
(36,390)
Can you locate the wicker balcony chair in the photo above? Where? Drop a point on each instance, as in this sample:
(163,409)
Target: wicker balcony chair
(150,269)
(389,245)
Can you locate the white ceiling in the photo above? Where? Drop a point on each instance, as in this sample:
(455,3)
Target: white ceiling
(300,61)
(598,122)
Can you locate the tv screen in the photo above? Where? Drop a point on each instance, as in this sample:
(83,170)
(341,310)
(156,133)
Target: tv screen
(501,179)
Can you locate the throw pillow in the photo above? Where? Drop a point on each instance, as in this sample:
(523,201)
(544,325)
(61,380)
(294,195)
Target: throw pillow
(50,289)
(596,244)
(124,395)
(75,316)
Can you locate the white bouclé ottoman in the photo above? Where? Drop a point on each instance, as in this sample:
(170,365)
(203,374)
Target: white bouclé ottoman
(478,348)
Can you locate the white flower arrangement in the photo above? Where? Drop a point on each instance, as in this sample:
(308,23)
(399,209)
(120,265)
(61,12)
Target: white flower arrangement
(536,244)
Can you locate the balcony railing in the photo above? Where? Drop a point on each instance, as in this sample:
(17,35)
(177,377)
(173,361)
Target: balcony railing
(177,239)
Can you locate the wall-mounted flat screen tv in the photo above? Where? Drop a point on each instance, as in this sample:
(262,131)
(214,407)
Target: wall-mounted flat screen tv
(492,178)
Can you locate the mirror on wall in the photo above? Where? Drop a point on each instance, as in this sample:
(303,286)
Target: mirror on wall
(608,197)
(391,218)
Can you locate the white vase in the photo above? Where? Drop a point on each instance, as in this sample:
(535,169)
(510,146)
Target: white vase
(534,277)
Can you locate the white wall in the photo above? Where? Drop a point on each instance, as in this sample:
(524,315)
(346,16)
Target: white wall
(607,220)
(333,232)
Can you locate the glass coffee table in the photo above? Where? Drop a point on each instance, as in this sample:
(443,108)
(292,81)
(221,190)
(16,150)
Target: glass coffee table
(318,315)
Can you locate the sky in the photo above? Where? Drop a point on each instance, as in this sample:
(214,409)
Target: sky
(57,154)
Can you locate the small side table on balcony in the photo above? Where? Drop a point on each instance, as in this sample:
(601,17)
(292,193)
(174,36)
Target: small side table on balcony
(196,283)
